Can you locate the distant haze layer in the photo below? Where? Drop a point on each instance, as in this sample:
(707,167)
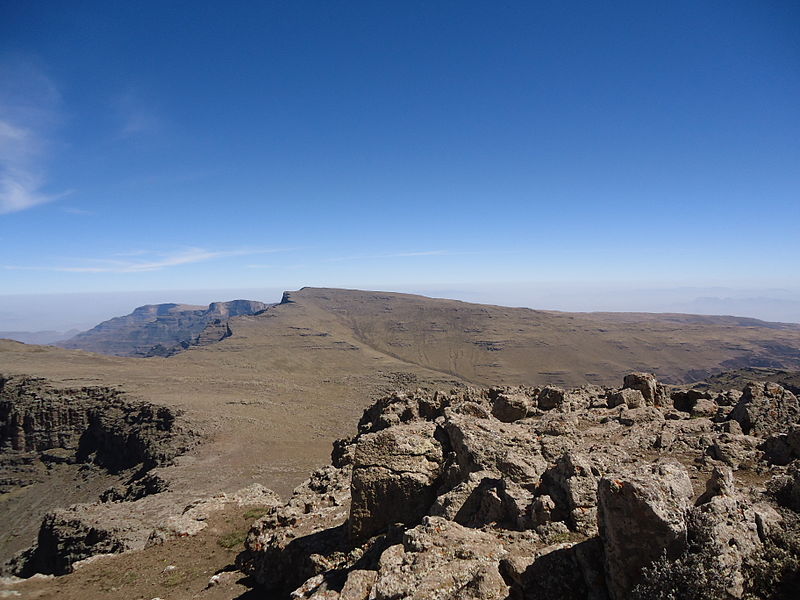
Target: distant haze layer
(63,312)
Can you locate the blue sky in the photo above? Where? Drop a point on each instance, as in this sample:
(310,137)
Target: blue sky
(156,146)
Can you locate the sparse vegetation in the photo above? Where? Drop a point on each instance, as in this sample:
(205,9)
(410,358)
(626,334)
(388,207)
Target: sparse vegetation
(232,539)
(255,513)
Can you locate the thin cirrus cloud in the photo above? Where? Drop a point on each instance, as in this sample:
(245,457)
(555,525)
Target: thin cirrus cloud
(394,255)
(29,104)
(148,261)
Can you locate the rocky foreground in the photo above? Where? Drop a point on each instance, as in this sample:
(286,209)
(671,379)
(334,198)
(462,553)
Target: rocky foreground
(639,492)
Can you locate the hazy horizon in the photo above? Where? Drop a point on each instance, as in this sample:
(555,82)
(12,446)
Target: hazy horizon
(63,312)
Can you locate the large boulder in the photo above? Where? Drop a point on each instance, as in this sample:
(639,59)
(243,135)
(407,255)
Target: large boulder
(572,485)
(766,409)
(395,475)
(652,391)
(641,515)
(441,560)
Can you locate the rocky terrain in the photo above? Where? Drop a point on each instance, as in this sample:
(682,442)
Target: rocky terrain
(637,492)
(162,329)
(270,396)
(64,436)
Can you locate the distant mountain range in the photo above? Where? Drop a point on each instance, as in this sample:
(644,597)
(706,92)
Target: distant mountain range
(162,329)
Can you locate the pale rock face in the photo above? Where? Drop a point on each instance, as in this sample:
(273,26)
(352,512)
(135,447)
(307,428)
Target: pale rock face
(641,514)
(395,475)
(441,560)
(653,392)
(766,409)
(628,397)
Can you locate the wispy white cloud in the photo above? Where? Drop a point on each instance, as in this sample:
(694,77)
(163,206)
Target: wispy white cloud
(397,255)
(149,261)
(28,109)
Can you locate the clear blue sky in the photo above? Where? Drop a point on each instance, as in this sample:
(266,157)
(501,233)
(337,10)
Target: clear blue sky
(203,145)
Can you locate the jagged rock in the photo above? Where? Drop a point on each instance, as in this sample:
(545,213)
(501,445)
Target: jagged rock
(734,450)
(642,414)
(629,397)
(456,503)
(652,391)
(684,400)
(783,448)
(704,408)
(488,445)
(572,484)
(395,475)
(550,397)
(441,560)
(727,525)
(291,543)
(766,409)
(565,571)
(511,407)
(640,516)
(401,408)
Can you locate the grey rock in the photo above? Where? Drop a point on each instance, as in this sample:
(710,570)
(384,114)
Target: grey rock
(641,514)
(766,409)
(628,397)
(395,475)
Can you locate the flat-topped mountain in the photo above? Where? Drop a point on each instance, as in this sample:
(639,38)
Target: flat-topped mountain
(161,329)
(484,343)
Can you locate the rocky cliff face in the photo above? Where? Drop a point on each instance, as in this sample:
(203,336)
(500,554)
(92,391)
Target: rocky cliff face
(639,492)
(162,329)
(98,431)
(90,424)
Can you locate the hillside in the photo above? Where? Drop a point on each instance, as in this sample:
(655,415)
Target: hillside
(161,329)
(484,344)
(268,399)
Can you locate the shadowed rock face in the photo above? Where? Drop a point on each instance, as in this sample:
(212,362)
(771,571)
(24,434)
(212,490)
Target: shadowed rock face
(507,493)
(162,329)
(93,424)
(100,430)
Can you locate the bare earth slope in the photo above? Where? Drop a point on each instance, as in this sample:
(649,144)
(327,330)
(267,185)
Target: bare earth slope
(485,344)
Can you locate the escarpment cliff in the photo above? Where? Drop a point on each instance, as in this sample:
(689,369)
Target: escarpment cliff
(60,445)
(162,329)
(644,491)
(89,424)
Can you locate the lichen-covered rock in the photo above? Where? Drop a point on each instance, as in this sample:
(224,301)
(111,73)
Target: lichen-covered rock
(766,409)
(511,407)
(441,560)
(490,494)
(628,397)
(641,515)
(395,475)
(652,391)
(572,484)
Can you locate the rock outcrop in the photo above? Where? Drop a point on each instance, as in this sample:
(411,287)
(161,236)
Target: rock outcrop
(535,493)
(103,431)
(90,424)
(163,329)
